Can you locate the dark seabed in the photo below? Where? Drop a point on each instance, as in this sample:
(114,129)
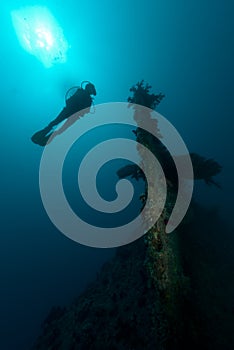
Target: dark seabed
(184,49)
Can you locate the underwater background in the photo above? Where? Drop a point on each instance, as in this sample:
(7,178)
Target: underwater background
(183,49)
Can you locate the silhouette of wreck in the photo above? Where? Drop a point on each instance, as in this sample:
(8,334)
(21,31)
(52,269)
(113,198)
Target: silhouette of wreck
(161,291)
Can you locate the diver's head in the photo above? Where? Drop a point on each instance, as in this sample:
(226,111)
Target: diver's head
(90,88)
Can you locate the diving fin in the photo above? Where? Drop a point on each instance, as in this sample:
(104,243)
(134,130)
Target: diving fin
(41,137)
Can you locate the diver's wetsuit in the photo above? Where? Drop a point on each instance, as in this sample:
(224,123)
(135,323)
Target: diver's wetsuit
(79,101)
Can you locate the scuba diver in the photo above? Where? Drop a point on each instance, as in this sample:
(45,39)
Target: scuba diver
(80,100)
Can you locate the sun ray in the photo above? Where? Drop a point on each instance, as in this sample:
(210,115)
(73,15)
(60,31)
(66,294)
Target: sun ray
(40,34)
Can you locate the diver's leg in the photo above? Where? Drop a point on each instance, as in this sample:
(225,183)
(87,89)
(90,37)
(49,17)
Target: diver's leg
(62,116)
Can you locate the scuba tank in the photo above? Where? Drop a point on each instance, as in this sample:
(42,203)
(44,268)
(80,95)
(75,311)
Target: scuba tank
(76,98)
(69,94)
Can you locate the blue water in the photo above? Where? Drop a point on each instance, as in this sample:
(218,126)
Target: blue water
(183,48)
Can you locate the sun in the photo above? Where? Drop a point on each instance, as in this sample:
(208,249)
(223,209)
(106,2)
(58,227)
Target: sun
(40,34)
